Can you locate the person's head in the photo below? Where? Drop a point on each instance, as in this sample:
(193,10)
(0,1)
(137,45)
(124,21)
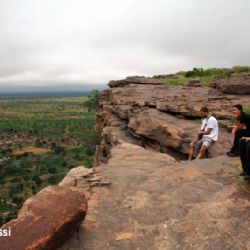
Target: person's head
(204,112)
(237,110)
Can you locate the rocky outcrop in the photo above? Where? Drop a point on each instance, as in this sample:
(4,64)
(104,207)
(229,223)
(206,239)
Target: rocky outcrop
(162,117)
(234,85)
(135,80)
(157,203)
(154,201)
(170,131)
(46,220)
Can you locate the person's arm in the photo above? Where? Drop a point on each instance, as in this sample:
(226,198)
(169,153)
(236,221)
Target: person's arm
(210,125)
(207,132)
(239,126)
(245,138)
(241,123)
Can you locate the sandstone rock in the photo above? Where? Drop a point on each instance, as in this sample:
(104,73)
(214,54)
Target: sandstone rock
(135,80)
(46,220)
(181,100)
(123,115)
(156,203)
(164,76)
(234,85)
(194,83)
(113,136)
(173,132)
(75,174)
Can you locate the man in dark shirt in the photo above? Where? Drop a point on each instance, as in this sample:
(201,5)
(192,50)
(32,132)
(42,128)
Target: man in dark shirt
(241,129)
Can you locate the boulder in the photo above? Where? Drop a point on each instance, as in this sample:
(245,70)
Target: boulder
(135,80)
(46,220)
(170,131)
(234,85)
(194,83)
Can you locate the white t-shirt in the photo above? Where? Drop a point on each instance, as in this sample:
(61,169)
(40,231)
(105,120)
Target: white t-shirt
(210,122)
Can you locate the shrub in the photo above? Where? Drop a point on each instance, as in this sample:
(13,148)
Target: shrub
(92,103)
(59,150)
(37,180)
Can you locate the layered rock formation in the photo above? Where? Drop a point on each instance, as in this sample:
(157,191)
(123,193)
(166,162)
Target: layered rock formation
(235,85)
(165,117)
(155,202)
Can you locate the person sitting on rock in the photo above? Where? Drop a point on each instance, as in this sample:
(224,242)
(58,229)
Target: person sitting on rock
(244,146)
(241,128)
(206,136)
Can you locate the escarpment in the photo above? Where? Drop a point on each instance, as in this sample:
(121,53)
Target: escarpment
(154,201)
(165,117)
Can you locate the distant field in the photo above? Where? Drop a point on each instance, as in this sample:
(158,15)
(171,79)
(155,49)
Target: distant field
(41,139)
(46,116)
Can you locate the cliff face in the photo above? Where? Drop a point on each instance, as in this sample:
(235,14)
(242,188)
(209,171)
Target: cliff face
(155,202)
(160,116)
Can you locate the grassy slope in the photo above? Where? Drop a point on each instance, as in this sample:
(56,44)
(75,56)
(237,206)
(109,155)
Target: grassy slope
(205,76)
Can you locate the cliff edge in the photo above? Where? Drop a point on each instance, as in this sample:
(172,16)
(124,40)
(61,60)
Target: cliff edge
(153,201)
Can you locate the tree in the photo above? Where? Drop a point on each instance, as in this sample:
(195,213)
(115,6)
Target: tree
(92,103)
(37,180)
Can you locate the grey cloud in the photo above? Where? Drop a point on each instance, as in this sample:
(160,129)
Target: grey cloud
(48,42)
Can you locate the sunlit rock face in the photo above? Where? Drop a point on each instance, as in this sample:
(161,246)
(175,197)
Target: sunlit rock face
(47,219)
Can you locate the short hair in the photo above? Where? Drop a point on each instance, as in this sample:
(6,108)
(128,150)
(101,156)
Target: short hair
(238,106)
(204,109)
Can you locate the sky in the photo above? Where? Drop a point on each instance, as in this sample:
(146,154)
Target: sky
(47,43)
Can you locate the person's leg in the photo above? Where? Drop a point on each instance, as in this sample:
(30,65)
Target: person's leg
(234,151)
(191,151)
(238,134)
(201,153)
(206,144)
(242,146)
(248,158)
(193,145)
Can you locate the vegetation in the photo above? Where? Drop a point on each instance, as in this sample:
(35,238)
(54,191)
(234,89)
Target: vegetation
(41,139)
(206,76)
(246,109)
(92,103)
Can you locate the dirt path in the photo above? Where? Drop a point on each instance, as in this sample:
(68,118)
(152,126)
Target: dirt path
(34,150)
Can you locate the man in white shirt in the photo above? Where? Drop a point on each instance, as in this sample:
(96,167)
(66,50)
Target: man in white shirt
(206,136)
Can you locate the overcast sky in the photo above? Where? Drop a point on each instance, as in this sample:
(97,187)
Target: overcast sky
(57,42)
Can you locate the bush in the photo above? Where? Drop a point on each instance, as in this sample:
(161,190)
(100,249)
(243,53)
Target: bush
(241,69)
(90,150)
(52,179)
(52,170)
(37,180)
(38,144)
(64,164)
(196,72)
(59,150)
(92,103)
